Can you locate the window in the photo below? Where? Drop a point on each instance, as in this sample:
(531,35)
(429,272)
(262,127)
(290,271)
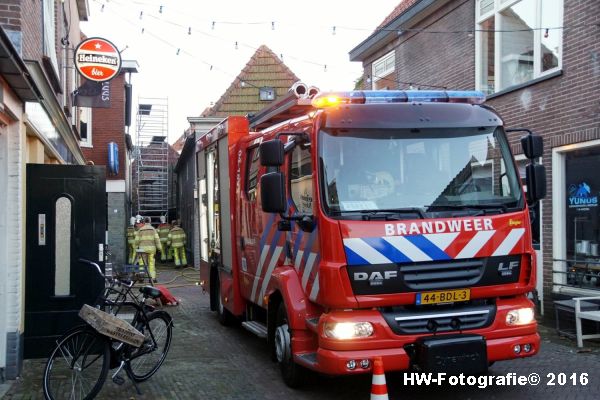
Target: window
(62,247)
(513,44)
(69,96)
(49,33)
(436,170)
(383,71)
(252,165)
(85,126)
(301,179)
(576,218)
(266,93)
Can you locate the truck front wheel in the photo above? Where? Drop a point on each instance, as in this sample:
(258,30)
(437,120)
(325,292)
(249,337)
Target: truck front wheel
(293,374)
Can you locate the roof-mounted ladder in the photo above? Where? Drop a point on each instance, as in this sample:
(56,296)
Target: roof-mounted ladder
(289,107)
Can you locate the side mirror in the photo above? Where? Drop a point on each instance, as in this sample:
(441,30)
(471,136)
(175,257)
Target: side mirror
(271,153)
(272,191)
(533,146)
(535,179)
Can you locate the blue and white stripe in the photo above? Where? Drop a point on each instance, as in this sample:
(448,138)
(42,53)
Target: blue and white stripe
(396,249)
(419,248)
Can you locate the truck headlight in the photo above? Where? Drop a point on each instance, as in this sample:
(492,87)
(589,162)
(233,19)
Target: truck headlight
(520,316)
(348,330)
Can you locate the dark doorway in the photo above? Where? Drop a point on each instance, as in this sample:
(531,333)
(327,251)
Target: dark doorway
(66,220)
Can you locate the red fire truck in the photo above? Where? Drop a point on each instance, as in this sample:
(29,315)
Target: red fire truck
(367,224)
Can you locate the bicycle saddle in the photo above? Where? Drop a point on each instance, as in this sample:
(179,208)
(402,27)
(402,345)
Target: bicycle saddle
(150,291)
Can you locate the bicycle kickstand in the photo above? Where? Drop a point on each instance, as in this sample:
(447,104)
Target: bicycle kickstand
(117,379)
(135,385)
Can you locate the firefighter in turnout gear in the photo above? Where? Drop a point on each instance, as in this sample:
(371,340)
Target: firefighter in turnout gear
(146,239)
(131,240)
(177,242)
(163,234)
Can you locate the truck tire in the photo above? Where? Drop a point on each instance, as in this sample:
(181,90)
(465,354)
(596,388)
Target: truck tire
(293,375)
(225,317)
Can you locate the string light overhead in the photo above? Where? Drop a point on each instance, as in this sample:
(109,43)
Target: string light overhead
(368,29)
(334,30)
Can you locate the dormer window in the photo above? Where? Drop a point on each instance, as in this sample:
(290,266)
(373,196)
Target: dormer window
(267,93)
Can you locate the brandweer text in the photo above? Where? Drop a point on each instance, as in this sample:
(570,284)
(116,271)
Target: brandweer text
(459,225)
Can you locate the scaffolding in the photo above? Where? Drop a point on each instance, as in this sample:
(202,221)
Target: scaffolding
(151,165)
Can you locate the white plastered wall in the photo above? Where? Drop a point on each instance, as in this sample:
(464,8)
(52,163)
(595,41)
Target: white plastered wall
(12,222)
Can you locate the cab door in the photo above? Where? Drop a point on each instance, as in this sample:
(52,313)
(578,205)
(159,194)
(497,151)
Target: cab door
(303,245)
(255,228)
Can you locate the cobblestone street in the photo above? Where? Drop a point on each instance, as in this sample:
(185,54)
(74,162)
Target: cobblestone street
(209,361)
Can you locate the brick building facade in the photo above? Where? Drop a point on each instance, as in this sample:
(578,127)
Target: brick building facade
(105,126)
(543,79)
(36,80)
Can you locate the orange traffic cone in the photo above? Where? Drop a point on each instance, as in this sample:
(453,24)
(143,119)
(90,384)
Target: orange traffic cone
(378,388)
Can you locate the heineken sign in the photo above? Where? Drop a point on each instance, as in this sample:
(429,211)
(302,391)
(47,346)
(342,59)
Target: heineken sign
(97,59)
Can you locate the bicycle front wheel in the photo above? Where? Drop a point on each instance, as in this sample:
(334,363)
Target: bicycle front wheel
(147,359)
(78,366)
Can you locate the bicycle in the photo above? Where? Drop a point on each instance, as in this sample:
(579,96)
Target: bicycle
(78,366)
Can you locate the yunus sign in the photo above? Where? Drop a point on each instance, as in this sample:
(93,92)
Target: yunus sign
(97,59)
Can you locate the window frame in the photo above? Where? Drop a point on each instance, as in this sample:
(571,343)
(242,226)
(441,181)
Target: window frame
(263,93)
(499,6)
(250,160)
(63,218)
(88,114)
(559,226)
(301,147)
(382,60)
(49,33)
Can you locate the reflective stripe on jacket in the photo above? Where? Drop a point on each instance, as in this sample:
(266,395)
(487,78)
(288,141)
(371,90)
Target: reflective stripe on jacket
(147,238)
(163,232)
(130,235)
(177,237)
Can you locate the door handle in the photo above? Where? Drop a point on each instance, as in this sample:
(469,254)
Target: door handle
(242,243)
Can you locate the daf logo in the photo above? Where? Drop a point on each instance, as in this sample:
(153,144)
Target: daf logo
(507,269)
(375,278)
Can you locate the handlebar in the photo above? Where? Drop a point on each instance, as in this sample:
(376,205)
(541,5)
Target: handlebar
(83,260)
(106,278)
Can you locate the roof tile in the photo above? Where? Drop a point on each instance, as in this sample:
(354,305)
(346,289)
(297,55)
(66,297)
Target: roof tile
(263,69)
(400,8)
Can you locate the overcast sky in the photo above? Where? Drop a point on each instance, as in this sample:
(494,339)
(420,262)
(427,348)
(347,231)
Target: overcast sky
(301,31)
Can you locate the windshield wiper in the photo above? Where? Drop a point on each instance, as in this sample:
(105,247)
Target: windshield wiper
(387,214)
(483,208)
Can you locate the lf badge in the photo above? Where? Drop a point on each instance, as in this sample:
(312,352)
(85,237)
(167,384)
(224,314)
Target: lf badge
(506,269)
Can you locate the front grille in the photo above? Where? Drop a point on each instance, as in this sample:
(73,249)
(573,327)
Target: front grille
(375,279)
(443,319)
(442,275)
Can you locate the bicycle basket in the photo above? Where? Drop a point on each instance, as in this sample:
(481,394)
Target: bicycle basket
(131,272)
(111,326)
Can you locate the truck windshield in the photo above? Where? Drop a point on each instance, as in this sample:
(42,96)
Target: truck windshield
(417,171)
